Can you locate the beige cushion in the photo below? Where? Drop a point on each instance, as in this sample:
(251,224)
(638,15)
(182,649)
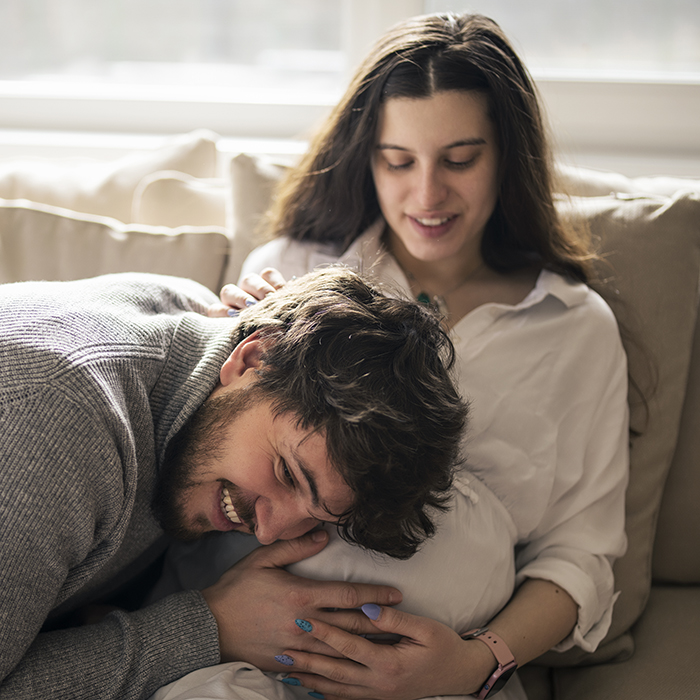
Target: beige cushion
(652,249)
(586,182)
(104,188)
(665,661)
(171,198)
(42,242)
(253,179)
(677,545)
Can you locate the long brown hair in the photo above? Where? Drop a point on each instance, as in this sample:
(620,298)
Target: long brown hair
(330,197)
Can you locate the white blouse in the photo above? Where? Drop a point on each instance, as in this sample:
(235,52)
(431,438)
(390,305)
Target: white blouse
(548,431)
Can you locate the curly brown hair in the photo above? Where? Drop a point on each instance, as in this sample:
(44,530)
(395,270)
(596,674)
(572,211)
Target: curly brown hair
(371,373)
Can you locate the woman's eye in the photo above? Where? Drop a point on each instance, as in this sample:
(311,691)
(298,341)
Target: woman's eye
(398,166)
(460,164)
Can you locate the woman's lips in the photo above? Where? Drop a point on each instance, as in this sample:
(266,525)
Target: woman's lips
(433,226)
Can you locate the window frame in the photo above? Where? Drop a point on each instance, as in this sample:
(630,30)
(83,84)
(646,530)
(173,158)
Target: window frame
(653,117)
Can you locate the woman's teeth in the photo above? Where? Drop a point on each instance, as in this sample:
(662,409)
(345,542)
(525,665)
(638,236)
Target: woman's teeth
(432,222)
(227,507)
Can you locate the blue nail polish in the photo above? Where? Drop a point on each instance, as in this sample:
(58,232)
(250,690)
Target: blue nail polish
(284,659)
(303,624)
(314,694)
(291,681)
(371,610)
(250,302)
(233,312)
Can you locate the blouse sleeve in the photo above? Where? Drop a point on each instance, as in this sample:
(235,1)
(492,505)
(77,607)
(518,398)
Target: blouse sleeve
(580,530)
(291,258)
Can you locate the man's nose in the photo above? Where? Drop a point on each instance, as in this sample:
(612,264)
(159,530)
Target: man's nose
(281,521)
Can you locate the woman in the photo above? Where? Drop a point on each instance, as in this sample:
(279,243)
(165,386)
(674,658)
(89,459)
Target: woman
(433,171)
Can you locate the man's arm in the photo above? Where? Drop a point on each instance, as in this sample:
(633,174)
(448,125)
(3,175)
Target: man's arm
(63,499)
(127,656)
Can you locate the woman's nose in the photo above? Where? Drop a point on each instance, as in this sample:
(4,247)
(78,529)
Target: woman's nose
(431,190)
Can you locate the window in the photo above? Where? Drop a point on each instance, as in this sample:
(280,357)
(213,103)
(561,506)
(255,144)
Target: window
(633,39)
(619,75)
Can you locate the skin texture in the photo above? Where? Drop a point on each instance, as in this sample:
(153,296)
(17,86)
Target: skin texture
(267,463)
(277,475)
(426,174)
(447,176)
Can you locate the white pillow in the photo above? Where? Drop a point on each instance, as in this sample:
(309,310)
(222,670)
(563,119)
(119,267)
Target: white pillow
(38,241)
(171,198)
(253,179)
(585,182)
(104,188)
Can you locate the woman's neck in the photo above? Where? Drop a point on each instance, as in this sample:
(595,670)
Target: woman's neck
(436,277)
(460,284)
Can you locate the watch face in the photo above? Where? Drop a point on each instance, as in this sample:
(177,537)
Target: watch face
(500,682)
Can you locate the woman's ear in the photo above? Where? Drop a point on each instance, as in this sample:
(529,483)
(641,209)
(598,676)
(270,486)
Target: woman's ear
(239,368)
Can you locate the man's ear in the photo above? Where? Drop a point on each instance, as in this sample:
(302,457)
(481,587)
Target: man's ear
(243,361)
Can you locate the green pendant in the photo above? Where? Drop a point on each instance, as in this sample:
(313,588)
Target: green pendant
(423,298)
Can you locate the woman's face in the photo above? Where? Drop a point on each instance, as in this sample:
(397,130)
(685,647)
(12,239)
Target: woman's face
(435,169)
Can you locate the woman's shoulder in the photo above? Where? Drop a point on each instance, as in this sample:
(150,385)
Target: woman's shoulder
(292,258)
(581,305)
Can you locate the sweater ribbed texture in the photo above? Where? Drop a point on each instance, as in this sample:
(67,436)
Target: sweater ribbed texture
(95,377)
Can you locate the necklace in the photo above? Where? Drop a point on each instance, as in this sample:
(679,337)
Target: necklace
(438,301)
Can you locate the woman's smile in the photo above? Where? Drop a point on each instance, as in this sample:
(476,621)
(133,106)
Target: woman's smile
(435,170)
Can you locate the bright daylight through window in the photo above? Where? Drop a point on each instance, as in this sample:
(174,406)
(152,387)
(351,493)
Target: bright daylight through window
(272,68)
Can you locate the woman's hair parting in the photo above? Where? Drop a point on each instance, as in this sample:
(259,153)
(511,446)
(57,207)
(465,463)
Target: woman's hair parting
(330,197)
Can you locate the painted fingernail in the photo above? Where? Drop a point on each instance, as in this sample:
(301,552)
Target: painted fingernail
(314,694)
(284,659)
(303,624)
(371,610)
(233,312)
(250,302)
(291,681)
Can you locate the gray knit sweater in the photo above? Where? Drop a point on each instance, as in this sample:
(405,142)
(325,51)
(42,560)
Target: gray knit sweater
(95,377)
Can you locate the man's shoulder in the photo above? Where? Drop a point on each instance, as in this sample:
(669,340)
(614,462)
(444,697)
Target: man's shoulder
(50,328)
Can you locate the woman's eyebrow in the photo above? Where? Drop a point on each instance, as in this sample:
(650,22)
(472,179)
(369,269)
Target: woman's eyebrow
(475,141)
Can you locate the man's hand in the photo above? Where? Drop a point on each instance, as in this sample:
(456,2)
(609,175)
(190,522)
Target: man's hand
(256,602)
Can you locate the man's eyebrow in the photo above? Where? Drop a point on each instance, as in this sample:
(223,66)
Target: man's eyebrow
(309,477)
(475,141)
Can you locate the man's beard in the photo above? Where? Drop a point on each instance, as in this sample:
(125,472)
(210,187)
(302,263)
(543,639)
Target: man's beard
(198,443)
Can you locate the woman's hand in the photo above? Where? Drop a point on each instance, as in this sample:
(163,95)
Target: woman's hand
(429,659)
(252,289)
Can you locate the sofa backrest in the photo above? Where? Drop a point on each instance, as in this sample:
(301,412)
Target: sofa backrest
(677,546)
(649,273)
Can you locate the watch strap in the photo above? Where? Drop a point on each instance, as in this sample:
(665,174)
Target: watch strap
(504,657)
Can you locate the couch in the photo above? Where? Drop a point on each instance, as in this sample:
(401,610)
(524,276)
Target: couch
(185,209)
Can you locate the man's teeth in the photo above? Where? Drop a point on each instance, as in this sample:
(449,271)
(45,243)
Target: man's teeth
(227,507)
(433,222)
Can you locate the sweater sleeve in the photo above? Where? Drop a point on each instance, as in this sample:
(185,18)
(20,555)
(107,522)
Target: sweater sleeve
(65,500)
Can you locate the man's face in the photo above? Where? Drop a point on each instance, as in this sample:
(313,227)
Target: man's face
(277,477)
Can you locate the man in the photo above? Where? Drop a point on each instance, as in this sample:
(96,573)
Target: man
(125,413)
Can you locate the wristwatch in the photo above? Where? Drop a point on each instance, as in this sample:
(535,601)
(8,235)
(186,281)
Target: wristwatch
(506,661)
